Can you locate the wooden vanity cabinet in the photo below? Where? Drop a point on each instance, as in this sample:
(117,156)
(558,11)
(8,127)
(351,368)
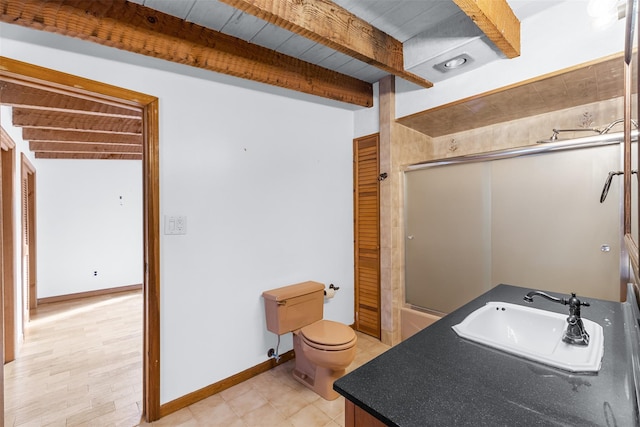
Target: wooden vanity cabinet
(354,416)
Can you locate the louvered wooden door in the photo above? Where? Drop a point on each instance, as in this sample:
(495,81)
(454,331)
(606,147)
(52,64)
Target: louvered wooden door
(24,188)
(367,234)
(28,238)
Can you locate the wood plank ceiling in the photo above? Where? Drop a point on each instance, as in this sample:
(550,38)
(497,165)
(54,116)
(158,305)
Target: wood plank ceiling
(330,49)
(60,126)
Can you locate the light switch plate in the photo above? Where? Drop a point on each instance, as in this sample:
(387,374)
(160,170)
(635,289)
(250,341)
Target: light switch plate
(175,224)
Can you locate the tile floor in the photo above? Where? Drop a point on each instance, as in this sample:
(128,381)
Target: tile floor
(273,398)
(80,365)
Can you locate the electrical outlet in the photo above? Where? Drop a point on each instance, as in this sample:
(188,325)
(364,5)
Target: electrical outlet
(175,224)
(181,225)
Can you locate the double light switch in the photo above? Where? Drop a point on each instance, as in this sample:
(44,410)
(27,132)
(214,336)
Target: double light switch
(175,224)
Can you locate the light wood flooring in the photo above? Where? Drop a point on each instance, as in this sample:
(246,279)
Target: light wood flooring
(81,365)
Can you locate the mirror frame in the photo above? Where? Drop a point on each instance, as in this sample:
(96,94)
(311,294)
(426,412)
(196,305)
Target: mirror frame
(630,73)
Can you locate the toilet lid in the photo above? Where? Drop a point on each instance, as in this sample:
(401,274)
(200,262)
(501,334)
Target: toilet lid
(328,333)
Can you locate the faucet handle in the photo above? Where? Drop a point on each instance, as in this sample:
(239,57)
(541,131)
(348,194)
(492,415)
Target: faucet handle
(573,301)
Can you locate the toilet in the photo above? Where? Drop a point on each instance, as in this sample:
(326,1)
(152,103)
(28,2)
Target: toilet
(323,348)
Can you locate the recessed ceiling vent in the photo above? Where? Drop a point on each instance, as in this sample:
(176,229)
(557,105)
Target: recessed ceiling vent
(450,48)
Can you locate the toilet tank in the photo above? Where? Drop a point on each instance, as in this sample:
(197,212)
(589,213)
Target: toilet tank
(292,307)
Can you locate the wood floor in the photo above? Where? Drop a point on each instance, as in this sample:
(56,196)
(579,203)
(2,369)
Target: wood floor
(81,365)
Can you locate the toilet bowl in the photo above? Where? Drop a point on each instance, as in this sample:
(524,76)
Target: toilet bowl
(323,351)
(323,348)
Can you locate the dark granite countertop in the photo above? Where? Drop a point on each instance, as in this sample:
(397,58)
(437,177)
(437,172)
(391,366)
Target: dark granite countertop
(436,378)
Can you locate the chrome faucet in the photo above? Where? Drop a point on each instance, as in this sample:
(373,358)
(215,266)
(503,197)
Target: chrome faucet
(575,333)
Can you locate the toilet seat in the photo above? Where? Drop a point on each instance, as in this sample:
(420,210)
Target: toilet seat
(328,335)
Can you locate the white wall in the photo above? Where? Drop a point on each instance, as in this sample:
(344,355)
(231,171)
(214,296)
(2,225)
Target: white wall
(265,181)
(84,226)
(367,120)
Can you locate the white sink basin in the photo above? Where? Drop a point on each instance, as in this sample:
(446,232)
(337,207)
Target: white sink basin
(533,334)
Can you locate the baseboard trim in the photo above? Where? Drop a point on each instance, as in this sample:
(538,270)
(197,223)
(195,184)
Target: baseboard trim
(210,390)
(88,294)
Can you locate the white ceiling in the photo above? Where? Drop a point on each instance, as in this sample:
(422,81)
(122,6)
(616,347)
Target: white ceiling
(432,31)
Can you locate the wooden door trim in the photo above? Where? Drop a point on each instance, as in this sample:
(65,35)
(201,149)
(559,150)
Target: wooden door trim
(28,74)
(2,333)
(6,142)
(7,168)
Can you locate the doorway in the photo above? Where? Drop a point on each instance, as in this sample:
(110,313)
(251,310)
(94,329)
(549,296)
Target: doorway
(46,79)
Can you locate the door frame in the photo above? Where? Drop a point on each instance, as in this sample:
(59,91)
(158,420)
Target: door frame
(43,78)
(7,168)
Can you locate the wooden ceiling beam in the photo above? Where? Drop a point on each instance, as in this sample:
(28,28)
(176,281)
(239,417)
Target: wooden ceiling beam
(71,147)
(331,25)
(58,120)
(87,156)
(22,96)
(135,28)
(36,134)
(496,19)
